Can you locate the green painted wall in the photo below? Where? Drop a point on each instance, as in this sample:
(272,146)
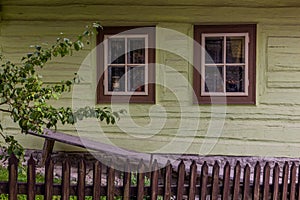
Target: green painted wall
(269,128)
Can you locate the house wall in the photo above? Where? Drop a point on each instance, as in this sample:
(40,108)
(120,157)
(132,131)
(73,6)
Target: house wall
(269,128)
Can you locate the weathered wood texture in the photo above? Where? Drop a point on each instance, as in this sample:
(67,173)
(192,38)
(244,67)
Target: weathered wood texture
(30,22)
(215,182)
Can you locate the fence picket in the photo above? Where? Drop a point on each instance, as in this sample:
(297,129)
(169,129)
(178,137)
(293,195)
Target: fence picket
(31,179)
(180,181)
(236,184)
(276,172)
(293,182)
(204,181)
(226,182)
(65,186)
(140,180)
(13,177)
(285,180)
(246,182)
(126,181)
(97,180)
(154,181)
(81,180)
(256,185)
(168,179)
(215,183)
(267,170)
(49,166)
(193,179)
(111,182)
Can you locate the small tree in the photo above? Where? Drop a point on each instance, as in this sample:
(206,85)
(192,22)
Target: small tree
(24,95)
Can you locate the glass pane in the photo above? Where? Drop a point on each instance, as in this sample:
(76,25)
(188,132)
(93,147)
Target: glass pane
(235,79)
(214,79)
(116,51)
(235,49)
(136,79)
(116,78)
(136,49)
(214,49)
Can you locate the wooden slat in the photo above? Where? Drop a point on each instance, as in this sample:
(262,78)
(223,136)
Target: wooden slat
(246,182)
(47,150)
(293,182)
(215,182)
(110,182)
(13,177)
(285,179)
(65,186)
(180,181)
(236,184)
(298,185)
(168,177)
(97,180)
(126,181)
(49,179)
(193,180)
(276,172)
(141,180)
(31,179)
(266,190)
(154,180)
(81,180)
(226,182)
(257,171)
(204,181)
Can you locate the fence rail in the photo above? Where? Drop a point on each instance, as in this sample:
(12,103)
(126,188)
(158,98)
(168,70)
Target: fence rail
(193,181)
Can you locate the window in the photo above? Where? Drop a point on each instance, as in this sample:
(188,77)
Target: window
(224,64)
(126,69)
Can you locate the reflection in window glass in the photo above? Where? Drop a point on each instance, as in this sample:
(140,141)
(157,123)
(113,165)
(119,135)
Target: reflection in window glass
(214,79)
(136,79)
(116,78)
(136,49)
(214,49)
(235,49)
(116,50)
(235,79)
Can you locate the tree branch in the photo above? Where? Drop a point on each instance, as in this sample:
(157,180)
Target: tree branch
(4,110)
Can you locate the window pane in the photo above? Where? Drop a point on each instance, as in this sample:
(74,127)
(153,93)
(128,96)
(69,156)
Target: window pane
(214,49)
(214,79)
(136,49)
(136,79)
(235,79)
(235,49)
(116,79)
(116,51)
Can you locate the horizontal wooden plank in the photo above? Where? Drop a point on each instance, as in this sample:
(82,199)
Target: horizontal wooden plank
(155,14)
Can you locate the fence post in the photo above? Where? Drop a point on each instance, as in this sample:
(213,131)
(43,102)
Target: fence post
(49,179)
(276,172)
(285,180)
(140,180)
(246,182)
(226,181)
(126,181)
(154,180)
(168,179)
(65,186)
(215,184)
(97,180)
(256,181)
(193,179)
(110,181)
(13,177)
(237,178)
(180,181)
(293,182)
(266,181)
(204,181)
(31,190)
(81,180)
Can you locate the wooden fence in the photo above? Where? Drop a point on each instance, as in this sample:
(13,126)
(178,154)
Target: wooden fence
(186,182)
